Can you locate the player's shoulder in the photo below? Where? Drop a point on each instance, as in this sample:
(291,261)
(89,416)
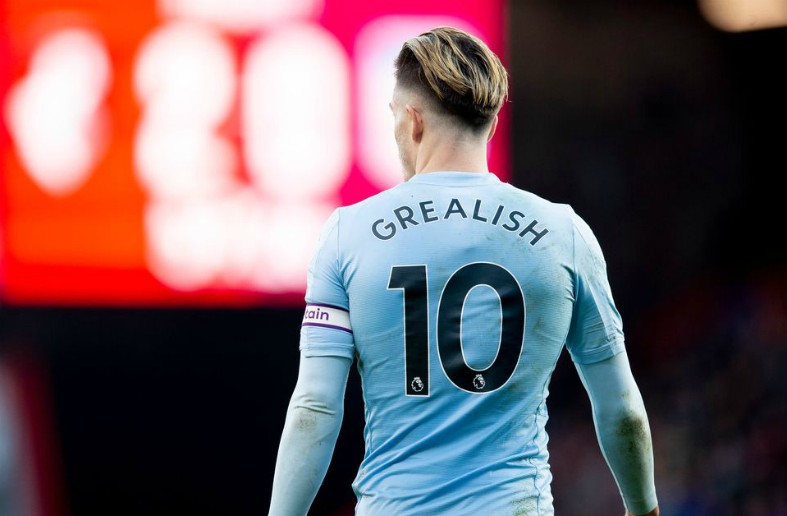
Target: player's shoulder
(535,199)
(561,212)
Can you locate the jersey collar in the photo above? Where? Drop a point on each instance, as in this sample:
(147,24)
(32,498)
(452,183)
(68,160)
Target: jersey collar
(455,178)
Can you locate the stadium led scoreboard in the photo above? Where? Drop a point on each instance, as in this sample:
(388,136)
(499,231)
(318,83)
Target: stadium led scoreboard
(187,152)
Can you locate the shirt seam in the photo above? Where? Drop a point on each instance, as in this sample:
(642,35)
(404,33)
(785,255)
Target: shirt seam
(614,344)
(338,251)
(574,258)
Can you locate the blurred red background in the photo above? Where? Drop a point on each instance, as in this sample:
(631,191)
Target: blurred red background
(187,152)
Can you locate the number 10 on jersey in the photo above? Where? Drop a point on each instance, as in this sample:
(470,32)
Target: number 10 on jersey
(412,280)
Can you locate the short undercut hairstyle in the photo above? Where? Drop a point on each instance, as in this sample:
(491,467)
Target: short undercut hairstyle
(456,72)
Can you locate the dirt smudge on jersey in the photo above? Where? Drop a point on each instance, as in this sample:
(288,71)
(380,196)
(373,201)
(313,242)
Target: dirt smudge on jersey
(305,421)
(634,434)
(525,507)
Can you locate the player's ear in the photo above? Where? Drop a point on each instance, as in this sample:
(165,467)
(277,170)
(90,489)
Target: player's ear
(416,124)
(492,129)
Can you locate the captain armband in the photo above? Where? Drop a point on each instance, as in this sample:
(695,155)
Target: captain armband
(327,316)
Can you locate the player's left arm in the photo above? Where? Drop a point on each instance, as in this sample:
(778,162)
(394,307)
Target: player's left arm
(315,412)
(314,418)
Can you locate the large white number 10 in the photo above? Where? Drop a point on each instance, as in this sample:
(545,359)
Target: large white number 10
(412,280)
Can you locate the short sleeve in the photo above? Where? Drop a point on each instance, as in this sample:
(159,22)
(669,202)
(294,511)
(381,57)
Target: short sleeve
(596,331)
(326,329)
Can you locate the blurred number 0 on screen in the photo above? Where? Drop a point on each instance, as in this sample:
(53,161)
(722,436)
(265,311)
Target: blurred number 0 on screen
(250,122)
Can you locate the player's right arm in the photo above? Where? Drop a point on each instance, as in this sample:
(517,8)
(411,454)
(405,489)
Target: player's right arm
(596,344)
(623,431)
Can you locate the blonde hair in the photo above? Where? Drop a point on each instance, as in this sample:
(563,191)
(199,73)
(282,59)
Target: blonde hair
(457,71)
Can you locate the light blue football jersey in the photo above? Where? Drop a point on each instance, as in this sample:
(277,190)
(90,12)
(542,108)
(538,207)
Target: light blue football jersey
(455,293)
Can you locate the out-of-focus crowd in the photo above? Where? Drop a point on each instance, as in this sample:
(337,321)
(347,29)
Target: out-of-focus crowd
(711,362)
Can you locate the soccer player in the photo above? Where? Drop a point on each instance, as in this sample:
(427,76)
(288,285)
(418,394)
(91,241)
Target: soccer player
(455,293)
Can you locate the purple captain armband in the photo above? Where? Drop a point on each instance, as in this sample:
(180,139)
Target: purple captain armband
(327,316)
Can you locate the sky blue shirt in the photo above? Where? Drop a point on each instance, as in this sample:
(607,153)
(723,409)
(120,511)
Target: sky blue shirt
(455,293)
